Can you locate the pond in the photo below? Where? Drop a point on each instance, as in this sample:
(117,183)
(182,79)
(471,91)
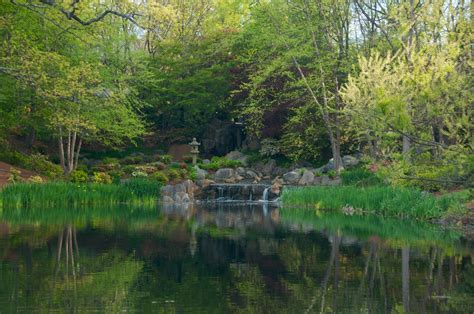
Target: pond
(210,258)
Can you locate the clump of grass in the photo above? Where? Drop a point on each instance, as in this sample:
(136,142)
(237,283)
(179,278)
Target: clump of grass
(382,200)
(57,194)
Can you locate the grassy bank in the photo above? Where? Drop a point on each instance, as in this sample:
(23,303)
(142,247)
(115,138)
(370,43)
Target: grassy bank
(60,194)
(382,200)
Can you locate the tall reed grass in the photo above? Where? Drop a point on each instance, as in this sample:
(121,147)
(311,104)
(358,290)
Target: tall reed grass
(60,194)
(383,200)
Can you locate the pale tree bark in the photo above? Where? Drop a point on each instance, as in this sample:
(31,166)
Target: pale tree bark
(69,157)
(406,278)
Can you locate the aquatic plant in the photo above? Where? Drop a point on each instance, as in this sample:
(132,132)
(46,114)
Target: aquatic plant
(60,194)
(398,232)
(383,200)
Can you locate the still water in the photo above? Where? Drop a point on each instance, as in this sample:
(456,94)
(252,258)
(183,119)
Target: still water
(228,259)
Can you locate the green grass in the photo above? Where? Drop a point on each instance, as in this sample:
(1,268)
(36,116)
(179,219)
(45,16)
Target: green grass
(382,200)
(59,194)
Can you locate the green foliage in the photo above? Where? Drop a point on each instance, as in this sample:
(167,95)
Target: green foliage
(332,174)
(36,179)
(139,174)
(132,160)
(269,147)
(101,177)
(220,162)
(384,201)
(36,162)
(159,177)
(360,177)
(173,174)
(15,176)
(78,176)
(164,158)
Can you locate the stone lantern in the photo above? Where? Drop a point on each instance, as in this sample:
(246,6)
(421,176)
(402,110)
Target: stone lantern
(194,150)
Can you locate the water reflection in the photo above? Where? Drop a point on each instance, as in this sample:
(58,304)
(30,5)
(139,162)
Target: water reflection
(229,258)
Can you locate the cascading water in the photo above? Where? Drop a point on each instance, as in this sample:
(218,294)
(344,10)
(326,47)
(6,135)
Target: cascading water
(265,194)
(221,193)
(232,192)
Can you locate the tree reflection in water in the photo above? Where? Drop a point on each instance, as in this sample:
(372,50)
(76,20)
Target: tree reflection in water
(231,259)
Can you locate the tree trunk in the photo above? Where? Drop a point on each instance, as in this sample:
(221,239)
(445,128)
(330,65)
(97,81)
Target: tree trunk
(406,278)
(69,158)
(406,144)
(61,150)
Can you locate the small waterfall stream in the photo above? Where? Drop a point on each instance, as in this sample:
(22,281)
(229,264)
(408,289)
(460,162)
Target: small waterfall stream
(238,192)
(265,194)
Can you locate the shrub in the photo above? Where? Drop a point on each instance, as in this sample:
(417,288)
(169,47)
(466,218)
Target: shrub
(183,173)
(220,162)
(132,160)
(175,165)
(35,179)
(78,176)
(148,169)
(116,175)
(139,174)
(332,174)
(270,147)
(129,169)
(164,158)
(360,177)
(101,177)
(41,163)
(15,176)
(159,165)
(159,177)
(13,157)
(173,174)
(110,161)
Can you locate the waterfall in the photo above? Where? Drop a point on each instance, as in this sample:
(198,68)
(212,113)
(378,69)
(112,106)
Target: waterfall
(232,192)
(265,194)
(221,192)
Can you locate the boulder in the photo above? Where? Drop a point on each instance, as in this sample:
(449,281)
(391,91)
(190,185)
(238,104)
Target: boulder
(349,161)
(167,199)
(276,186)
(200,173)
(206,161)
(307,178)
(236,155)
(325,180)
(167,190)
(224,175)
(317,181)
(279,171)
(292,177)
(251,174)
(267,169)
(241,171)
